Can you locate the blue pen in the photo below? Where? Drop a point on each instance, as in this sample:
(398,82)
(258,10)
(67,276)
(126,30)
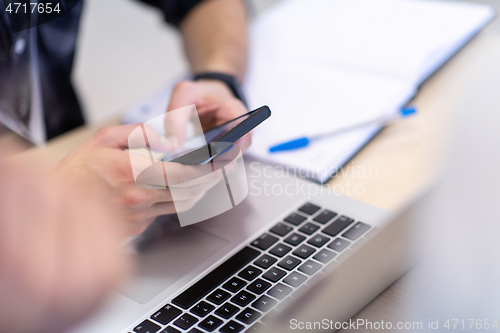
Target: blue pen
(306,141)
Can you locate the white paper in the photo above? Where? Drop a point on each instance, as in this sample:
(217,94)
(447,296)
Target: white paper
(321,65)
(390,37)
(305,99)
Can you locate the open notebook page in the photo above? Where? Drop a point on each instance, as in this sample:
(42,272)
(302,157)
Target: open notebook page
(322,64)
(307,99)
(391,37)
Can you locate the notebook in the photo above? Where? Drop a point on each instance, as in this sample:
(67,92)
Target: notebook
(323,64)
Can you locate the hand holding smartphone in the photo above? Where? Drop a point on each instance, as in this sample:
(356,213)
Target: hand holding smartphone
(221,138)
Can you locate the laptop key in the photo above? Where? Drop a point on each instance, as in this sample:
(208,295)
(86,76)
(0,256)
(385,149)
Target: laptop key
(258,286)
(281,229)
(213,279)
(325,256)
(194,330)
(337,226)
(202,309)
(295,239)
(250,273)
(309,228)
(185,321)
(289,263)
(218,296)
(265,241)
(147,326)
(310,267)
(248,316)
(274,274)
(232,327)
(170,329)
(304,251)
(295,279)
(243,298)
(280,250)
(264,303)
(269,317)
(356,231)
(210,323)
(295,219)
(279,291)
(318,240)
(339,244)
(265,261)
(309,208)
(227,310)
(166,314)
(325,216)
(234,284)
(257,327)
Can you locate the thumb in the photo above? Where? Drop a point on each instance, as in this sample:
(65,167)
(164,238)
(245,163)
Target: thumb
(133,136)
(118,136)
(176,122)
(180,109)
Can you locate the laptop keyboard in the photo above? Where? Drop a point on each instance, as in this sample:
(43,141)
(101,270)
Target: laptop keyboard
(240,293)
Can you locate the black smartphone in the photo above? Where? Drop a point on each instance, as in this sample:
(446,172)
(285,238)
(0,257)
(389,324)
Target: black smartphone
(222,138)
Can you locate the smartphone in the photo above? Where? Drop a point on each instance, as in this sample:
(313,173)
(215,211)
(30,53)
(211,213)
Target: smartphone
(222,138)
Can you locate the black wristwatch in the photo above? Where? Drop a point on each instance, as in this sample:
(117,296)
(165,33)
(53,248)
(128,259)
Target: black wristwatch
(230,80)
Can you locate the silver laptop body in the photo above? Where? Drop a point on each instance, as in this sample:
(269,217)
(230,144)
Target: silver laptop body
(170,260)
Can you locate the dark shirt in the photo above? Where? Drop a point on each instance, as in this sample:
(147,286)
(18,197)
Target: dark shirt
(56,42)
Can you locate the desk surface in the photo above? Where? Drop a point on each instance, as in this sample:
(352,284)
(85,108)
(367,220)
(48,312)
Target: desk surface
(415,151)
(404,158)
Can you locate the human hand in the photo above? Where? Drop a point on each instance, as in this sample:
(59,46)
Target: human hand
(103,165)
(59,250)
(214,103)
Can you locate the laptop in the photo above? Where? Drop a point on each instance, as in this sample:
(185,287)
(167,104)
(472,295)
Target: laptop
(292,250)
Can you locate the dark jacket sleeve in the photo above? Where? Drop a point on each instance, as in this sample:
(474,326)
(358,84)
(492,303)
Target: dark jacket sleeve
(174,10)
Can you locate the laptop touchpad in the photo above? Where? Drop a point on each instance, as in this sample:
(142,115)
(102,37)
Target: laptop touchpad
(166,253)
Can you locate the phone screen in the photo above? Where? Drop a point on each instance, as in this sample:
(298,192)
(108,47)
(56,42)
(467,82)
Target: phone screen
(220,139)
(217,132)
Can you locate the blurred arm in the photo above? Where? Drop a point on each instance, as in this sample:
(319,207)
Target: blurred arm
(215,37)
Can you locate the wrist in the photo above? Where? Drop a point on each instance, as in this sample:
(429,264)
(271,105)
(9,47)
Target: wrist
(227,61)
(230,81)
(216,87)
(219,67)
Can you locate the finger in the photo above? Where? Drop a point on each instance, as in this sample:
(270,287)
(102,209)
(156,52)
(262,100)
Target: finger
(144,136)
(118,136)
(132,136)
(176,123)
(142,159)
(178,194)
(160,208)
(156,141)
(232,109)
(185,93)
(227,158)
(180,109)
(175,174)
(162,174)
(165,208)
(229,110)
